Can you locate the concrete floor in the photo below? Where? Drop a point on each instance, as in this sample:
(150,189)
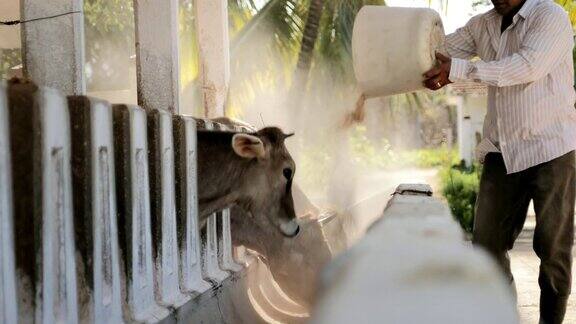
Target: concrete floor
(525,265)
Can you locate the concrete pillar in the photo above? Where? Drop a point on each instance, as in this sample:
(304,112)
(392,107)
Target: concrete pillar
(134,226)
(53,48)
(45,251)
(187,205)
(8,305)
(163,203)
(157,65)
(95,209)
(214,46)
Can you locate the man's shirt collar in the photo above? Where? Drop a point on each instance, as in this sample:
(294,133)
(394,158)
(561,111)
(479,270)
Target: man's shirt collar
(524,12)
(527,8)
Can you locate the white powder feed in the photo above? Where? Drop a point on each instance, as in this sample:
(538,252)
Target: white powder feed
(393,47)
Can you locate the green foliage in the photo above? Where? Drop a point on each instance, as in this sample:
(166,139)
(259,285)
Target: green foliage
(109,29)
(9,58)
(314,167)
(429,158)
(460,188)
(381,155)
(368,155)
(570,7)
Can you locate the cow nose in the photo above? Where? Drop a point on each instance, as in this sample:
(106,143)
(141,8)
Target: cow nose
(290,229)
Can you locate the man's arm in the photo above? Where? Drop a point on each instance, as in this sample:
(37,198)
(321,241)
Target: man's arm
(547,41)
(461,44)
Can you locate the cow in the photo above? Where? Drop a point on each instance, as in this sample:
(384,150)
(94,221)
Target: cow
(253,171)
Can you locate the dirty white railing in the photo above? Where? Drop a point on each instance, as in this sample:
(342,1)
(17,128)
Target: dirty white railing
(114,186)
(414,267)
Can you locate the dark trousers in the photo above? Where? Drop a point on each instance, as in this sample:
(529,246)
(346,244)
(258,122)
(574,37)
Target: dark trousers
(501,210)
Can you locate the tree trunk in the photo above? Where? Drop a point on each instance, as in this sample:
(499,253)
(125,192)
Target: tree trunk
(310,35)
(295,100)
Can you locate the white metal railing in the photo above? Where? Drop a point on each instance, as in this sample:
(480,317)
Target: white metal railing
(413,267)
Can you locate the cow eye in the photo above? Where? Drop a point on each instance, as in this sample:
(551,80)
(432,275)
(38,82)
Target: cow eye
(287,174)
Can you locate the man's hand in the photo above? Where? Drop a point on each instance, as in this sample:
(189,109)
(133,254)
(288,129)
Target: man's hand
(437,77)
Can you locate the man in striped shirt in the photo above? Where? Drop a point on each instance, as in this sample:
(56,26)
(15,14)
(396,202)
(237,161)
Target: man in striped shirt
(522,49)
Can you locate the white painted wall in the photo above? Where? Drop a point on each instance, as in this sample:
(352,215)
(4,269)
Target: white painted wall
(413,267)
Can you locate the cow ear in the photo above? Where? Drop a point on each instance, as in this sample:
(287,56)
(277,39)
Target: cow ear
(248,146)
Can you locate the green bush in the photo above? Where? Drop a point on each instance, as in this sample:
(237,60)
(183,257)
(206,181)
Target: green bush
(429,158)
(381,155)
(368,154)
(460,187)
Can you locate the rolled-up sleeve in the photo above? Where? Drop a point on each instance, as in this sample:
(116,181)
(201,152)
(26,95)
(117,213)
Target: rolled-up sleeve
(547,39)
(459,69)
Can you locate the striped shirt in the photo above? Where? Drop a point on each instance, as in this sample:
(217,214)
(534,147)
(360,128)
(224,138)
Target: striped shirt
(529,71)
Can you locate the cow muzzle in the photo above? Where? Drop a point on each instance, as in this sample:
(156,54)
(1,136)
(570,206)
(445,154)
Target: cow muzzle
(290,229)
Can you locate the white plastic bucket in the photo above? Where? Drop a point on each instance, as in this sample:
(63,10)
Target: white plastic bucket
(393,47)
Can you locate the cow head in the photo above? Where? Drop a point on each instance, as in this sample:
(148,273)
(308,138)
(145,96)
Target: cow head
(273,169)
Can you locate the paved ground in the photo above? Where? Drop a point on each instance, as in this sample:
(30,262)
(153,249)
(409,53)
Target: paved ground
(525,265)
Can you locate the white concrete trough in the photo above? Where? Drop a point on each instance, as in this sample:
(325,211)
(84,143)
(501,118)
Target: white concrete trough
(414,267)
(8,304)
(44,241)
(187,206)
(134,218)
(163,203)
(93,175)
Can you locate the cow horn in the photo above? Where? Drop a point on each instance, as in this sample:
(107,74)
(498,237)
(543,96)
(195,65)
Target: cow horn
(285,136)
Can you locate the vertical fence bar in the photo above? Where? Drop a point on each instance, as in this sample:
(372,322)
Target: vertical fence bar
(227,261)
(187,205)
(157,64)
(53,48)
(45,251)
(134,226)
(210,255)
(8,297)
(93,176)
(225,244)
(163,203)
(214,46)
